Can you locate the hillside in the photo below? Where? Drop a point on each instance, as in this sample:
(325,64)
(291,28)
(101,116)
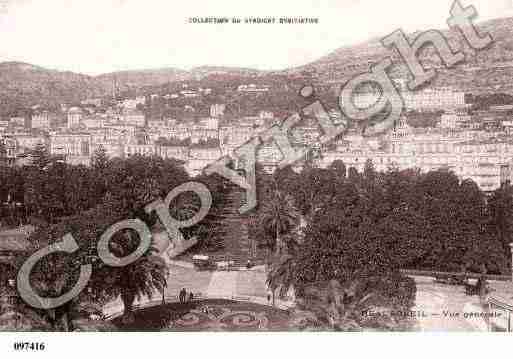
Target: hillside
(140,78)
(205,71)
(23,85)
(488,70)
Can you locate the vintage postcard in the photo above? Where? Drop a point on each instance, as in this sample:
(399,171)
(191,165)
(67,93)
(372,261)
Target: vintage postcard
(236,166)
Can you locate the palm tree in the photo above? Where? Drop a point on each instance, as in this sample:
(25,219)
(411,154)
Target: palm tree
(282,275)
(279,217)
(332,306)
(144,277)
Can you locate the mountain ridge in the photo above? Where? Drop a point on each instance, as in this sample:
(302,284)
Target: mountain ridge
(23,83)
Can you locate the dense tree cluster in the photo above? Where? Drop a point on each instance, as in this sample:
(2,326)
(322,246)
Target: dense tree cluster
(360,229)
(50,189)
(334,225)
(85,202)
(401,219)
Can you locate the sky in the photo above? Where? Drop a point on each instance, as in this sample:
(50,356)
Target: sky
(99,36)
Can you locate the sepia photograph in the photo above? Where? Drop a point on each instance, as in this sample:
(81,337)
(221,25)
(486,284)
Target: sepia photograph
(246,167)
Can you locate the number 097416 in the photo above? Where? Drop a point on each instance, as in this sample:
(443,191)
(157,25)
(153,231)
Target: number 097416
(29,346)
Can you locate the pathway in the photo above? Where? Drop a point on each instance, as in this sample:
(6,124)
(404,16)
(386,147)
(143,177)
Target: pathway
(443,307)
(222,285)
(438,307)
(239,285)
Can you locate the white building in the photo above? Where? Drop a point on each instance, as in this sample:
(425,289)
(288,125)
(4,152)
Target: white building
(131,104)
(41,120)
(27,142)
(217,110)
(189,93)
(133,118)
(70,144)
(180,153)
(74,117)
(252,88)
(142,150)
(423,100)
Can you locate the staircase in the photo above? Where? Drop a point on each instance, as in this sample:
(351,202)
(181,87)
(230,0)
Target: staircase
(237,245)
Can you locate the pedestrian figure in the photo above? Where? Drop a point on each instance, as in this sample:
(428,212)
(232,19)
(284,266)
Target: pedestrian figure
(248,265)
(183,294)
(191,297)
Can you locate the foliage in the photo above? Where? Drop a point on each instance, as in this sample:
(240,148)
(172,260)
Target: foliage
(129,186)
(80,314)
(369,226)
(142,278)
(342,307)
(100,160)
(278,218)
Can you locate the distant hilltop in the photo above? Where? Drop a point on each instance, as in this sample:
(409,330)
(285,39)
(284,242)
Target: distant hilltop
(487,71)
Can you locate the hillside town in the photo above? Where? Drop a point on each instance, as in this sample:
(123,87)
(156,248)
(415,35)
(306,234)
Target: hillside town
(474,144)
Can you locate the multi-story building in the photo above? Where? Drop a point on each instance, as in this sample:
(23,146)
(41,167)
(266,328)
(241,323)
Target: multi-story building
(158,133)
(454,120)
(142,150)
(74,117)
(181,131)
(252,88)
(201,157)
(126,133)
(97,102)
(27,142)
(189,93)
(204,130)
(133,118)
(434,99)
(177,152)
(469,155)
(71,145)
(209,123)
(131,104)
(423,100)
(41,120)
(8,156)
(217,110)
(235,135)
